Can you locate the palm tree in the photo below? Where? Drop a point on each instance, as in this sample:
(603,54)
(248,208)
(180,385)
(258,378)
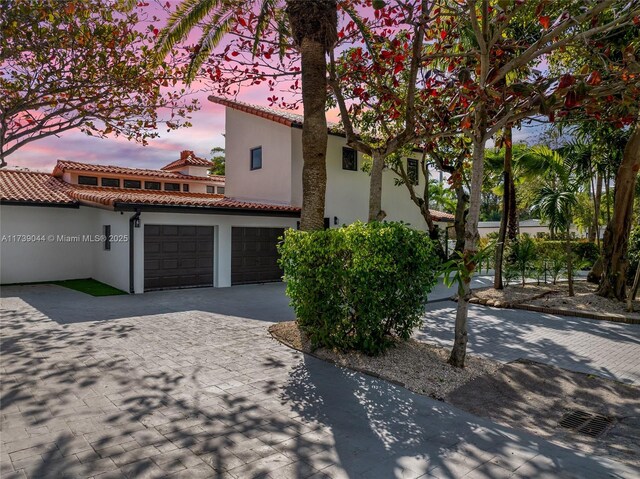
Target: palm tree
(555,205)
(313,26)
(519,164)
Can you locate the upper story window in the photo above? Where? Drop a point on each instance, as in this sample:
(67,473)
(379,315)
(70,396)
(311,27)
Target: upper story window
(220,190)
(211,189)
(88,180)
(349,159)
(256,158)
(412,171)
(112,182)
(132,184)
(151,185)
(185,187)
(172,187)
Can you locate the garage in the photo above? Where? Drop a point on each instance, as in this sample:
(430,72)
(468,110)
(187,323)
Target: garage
(177,256)
(254,255)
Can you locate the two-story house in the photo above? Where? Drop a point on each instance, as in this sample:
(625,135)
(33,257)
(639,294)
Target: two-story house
(141,229)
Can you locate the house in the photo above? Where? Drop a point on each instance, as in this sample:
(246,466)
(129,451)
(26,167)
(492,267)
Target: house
(141,229)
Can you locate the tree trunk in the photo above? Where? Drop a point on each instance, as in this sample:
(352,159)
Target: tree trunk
(471,236)
(314,134)
(569,259)
(375,189)
(514,226)
(634,290)
(506,209)
(597,199)
(616,237)
(460,217)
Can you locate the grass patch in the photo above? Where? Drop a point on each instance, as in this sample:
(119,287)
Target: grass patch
(90,286)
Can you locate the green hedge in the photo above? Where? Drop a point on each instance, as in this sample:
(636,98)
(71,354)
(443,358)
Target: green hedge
(357,286)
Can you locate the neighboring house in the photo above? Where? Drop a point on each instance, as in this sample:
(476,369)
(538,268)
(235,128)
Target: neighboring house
(140,229)
(531,227)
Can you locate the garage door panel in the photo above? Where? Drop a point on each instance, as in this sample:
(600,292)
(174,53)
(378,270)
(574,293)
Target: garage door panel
(254,255)
(178,256)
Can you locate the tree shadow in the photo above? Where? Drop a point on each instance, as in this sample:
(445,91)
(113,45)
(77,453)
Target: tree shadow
(262,302)
(578,344)
(197,393)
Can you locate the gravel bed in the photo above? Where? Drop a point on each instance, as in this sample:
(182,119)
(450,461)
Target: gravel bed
(415,365)
(556,297)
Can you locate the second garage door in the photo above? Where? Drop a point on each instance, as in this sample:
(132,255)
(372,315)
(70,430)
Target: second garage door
(254,255)
(177,256)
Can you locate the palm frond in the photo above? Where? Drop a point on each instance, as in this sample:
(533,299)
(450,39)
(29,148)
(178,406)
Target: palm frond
(187,16)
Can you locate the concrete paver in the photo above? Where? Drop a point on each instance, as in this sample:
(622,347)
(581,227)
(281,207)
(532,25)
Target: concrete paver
(608,349)
(176,384)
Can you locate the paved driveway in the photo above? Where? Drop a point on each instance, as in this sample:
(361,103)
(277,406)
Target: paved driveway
(188,384)
(608,349)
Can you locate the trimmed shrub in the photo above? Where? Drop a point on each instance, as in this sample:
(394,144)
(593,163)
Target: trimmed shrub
(355,287)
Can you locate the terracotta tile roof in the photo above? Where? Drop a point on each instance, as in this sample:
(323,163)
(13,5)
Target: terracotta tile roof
(33,187)
(65,165)
(279,116)
(112,196)
(187,158)
(441,216)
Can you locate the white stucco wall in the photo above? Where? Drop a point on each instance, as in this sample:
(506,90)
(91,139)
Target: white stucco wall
(50,260)
(348,191)
(55,258)
(112,266)
(270,183)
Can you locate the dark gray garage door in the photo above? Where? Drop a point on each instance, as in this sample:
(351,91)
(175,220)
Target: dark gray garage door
(177,256)
(254,256)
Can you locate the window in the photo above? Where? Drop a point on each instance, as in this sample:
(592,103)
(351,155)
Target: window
(106,231)
(327,223)
(256,158)
(152,185)
(172,187)
(114,182)
(132,184)
(349,159)
(412,170)
(211,189)
(88,180)
(185,187)
(220,190)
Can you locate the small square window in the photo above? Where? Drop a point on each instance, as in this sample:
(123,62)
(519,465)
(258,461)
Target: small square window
(132,184)
(349,159)
(185,187)
(111,182)
(106,231)
(151,185)
(412,171)
(88,180)
(172,187)
(256,158)
(220,190)
(211,189)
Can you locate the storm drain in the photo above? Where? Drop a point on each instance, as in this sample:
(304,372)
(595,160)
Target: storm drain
(585,423)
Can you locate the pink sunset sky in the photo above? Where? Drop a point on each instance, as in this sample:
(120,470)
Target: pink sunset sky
(206,133)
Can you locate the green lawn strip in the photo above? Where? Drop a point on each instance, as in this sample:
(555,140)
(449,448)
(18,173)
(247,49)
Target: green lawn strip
(88,286)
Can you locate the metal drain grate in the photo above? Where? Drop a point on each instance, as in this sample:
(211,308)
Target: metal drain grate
(585,423)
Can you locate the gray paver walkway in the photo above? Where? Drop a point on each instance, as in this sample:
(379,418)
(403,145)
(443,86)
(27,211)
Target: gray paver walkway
(162,385)
(609,349)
